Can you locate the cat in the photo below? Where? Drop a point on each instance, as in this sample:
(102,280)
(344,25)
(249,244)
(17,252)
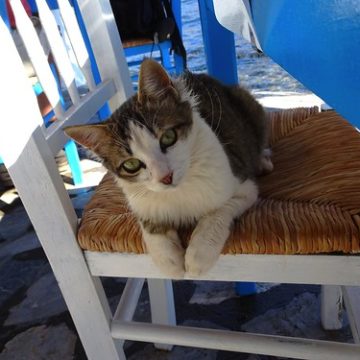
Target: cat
(184,151)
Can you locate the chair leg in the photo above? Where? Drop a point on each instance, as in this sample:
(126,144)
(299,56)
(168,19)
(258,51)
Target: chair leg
(179,64)
(90,311)
(72,156)
(115,351)
(162,305)
(165,57)
(331,307)
(352,306)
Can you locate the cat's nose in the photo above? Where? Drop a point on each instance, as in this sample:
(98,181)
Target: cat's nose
(167,180)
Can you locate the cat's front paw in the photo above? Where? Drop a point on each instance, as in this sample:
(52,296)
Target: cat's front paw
(171,264)
(199,259)
(166,252)
(206,244)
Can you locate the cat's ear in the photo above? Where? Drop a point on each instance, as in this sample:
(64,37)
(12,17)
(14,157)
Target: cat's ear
(154,82)
(90,136)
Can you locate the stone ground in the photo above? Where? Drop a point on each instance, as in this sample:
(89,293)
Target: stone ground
(36,325)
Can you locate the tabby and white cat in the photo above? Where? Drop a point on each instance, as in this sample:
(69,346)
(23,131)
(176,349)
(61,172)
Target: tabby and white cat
(183,151)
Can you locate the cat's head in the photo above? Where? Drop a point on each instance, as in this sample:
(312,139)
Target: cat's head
(148,139)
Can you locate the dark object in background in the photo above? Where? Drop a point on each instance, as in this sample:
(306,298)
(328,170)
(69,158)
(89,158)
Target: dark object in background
(149,19)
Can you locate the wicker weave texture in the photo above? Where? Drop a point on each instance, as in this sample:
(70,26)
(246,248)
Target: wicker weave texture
(309,204)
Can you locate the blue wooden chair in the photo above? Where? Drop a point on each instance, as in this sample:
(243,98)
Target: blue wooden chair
(172,62)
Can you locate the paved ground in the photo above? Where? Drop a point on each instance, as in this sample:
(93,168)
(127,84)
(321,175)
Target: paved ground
(36,324)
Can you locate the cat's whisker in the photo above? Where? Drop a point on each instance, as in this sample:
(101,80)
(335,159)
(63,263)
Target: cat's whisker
(220,114)
(212,107)
(153,122)
(136,121)
(119,142)
(144,118)
(139,193)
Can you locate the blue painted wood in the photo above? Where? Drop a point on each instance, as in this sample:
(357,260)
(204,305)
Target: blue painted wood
(3,12)
(141,49)
(164,48)
(176,8)
(179,61)
(176,66)
(70,147)
(104,112)
(245,288)
(73,159)
(165,57)
(317,42)
(219,45)
(51,3)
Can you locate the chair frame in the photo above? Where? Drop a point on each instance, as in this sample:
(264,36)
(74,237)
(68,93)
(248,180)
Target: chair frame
(163,47)
(29,157)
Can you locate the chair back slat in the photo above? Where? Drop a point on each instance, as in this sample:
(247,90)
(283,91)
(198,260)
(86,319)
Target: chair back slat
(19,112)
(28,157)
(77,41)
(58,49)
(37,56)
(22,142)
(80,114)
(113,68)
(107,47)
(105,41)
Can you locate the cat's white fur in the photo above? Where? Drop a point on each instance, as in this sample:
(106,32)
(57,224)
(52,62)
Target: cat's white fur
(204,190)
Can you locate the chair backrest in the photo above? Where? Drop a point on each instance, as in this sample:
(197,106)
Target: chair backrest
(103,42)
(26,146)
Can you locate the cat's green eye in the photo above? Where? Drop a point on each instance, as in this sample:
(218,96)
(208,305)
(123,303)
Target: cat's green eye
(168,138)
(132,166)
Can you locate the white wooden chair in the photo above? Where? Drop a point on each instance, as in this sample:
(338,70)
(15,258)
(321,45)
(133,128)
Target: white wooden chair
(28,151)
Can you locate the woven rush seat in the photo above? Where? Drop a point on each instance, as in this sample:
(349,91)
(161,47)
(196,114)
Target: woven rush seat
(136,42)
(309,204)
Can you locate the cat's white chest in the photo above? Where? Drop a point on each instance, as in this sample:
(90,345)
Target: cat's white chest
(206,186)
(188,202)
